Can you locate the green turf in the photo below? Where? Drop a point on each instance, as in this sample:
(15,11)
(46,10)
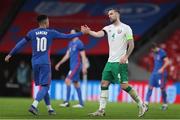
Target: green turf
(16,108)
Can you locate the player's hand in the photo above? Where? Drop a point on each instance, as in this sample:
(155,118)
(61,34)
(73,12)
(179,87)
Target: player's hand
(57,67)
(123,59)
(161,70)
(85,29)
(7,58)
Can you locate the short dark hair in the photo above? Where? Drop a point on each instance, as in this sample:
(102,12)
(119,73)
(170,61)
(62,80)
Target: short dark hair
(154,45)
(76,30)
(115,9)
(41,18)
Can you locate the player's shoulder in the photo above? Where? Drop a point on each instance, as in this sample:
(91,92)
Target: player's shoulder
(51,30)
(162,50)
(79,41)
(125,26)
(108,26)
(31,31)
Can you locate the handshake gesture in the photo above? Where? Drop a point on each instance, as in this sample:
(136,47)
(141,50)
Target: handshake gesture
(85,29)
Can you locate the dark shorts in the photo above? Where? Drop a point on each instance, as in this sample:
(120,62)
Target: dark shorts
(42,74)
(158,80)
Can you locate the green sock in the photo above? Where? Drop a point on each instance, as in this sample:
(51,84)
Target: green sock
(134,95)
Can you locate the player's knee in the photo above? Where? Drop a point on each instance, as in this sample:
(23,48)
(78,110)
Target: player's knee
(45,87)
(128,89)
(150,87)
(124,86)
(76,84)
(67,81)
(104,83)
(163,89)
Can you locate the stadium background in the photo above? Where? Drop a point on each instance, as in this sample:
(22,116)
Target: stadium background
(151,20)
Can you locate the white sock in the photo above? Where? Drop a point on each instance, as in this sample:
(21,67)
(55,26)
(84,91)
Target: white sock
(140,103)
(35,103)
(103,99)
(49,107)
(165,104)
(146,102)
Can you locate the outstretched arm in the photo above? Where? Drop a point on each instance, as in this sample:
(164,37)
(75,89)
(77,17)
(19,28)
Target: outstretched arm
(67,36)
(63,60)
(98,34)
(18,46)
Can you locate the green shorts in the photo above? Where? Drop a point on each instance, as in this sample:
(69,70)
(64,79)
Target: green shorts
(115,73)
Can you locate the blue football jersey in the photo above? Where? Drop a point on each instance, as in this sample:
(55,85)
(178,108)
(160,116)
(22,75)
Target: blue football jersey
(41,39)
(159,59)
(74,48)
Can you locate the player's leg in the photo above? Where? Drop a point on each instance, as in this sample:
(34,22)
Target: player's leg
(45,82)
(133,93)
(33,108)
(104,94)
(78,90)
(148,96)
(40,95)
(150,89)
(68,93)
(163,91)
(68,88)
(106,77)
(75,79)
(123,77)
(48,104)
(103,99)
(126,87)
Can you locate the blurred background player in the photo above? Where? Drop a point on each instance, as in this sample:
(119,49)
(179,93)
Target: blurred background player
(77,56)
(41,39)
(121,45)
(158,76)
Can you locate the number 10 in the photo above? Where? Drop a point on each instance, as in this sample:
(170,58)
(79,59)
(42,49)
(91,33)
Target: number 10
(41,44)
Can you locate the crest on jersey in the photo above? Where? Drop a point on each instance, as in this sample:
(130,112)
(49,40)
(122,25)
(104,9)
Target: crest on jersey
(74,47)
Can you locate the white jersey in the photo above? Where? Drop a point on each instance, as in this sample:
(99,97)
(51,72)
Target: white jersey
(118,37)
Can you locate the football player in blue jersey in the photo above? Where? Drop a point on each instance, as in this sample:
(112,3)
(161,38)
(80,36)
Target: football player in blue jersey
(41,39)
(76,53)
(158,76)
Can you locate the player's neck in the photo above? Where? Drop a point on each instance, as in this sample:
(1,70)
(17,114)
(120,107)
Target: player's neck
(117,23)
(42,26)
(158,49)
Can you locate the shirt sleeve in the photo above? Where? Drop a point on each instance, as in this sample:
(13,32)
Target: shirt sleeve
(105,29)
(18,46)
(21,43)
(129,34)
(28,36)
(57,34)
(81,46)
(163,54)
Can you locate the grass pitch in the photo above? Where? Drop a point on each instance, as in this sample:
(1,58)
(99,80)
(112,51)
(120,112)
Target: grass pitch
(17,108)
